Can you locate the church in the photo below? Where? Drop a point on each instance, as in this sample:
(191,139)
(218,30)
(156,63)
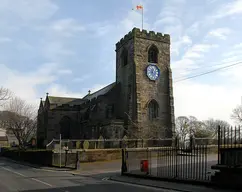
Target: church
(139,104)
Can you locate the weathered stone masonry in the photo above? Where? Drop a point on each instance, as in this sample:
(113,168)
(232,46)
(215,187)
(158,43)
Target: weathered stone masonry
(124,104)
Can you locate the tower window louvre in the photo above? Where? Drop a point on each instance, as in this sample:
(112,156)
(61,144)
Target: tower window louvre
(153,54)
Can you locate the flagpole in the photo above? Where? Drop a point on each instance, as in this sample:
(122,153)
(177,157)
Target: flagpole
(138,7)
(142,17)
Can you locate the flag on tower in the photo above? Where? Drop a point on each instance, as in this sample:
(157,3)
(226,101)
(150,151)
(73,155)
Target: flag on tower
(140,7)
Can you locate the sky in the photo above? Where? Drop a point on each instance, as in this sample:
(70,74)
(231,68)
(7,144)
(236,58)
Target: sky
(66,48)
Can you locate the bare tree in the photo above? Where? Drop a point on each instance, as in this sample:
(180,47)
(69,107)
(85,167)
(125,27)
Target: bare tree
(237,114)
(195,125)
(212,125)
(5,95)
(20,119)
(182,127)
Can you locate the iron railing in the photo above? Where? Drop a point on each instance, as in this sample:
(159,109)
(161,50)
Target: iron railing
(122,143)
(173,163)
(230,146)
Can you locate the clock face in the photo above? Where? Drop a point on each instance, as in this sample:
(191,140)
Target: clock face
(152,72)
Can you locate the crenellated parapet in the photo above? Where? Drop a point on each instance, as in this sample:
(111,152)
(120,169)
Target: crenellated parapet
(137,33)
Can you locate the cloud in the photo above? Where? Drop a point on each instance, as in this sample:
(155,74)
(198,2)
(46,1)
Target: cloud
(233,56)
(220,33)
(228,9)
(186,39)
(5,39)
(233,77)
(191,54)
(191,59)
(211,1)
(64,27)
(81,79)
(56,50)
(193,29)
(57,36)
(170,20)
(25,85)
(24,46)
(238,46)
(51,41)
(230,59)
(28,10)
(100,29)
(133,19)
(233,52)
(178,43)
(206,100)
(64,72)
(203,47)
(181,67)
(166,20)
(60,90)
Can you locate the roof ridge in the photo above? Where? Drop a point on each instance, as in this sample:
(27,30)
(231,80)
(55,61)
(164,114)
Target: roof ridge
(99,90)
(66,97)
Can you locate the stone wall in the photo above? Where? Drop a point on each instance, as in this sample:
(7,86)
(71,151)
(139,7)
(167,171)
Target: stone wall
(125,76)
(159,90)
(100,155)
(93,155)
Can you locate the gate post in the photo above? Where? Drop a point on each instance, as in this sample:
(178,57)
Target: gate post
(219,141)
(77,160)
(124,166)
(177,156)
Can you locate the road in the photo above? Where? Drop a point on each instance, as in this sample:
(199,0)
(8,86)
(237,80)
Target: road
(20,178)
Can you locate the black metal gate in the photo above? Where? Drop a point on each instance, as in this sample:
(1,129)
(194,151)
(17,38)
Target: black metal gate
(230,146)
(178,162)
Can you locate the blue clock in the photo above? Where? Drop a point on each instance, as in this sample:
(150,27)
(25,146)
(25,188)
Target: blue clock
(152,72)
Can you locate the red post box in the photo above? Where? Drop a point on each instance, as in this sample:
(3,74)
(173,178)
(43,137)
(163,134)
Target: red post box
(144,166)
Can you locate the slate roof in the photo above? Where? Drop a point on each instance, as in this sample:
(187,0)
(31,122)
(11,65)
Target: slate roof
(65,100)
(78,101)
(102,91)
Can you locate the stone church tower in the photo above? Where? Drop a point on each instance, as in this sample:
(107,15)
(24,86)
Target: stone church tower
(139,104)
(144,74)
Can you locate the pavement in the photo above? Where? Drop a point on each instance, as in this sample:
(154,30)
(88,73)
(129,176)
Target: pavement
(103,176)
(167,185)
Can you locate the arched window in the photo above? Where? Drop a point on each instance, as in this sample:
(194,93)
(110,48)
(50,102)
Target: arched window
(153,54)
(153,108)
(124,57)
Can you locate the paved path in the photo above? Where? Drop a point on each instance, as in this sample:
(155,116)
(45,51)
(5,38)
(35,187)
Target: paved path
(20,178)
